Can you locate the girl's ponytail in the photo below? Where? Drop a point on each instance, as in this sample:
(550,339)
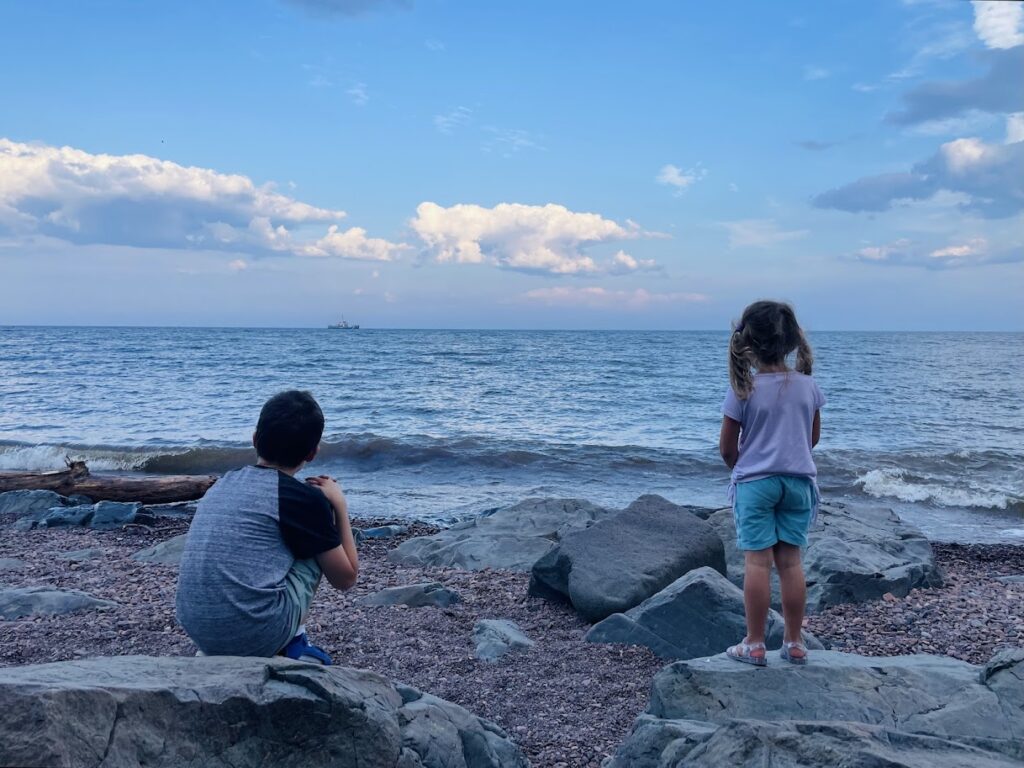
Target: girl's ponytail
(804,356)
(740,359)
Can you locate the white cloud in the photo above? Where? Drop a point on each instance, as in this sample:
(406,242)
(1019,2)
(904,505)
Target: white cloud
(972,252)
(359,95)
(759,233)
(1015,127)
(238,265)
(815,73)
(884,252)
(142,201)
(456,118)
(508,141)
(598,297)
(999,23)
(533,238)
(675,176)
(434,45)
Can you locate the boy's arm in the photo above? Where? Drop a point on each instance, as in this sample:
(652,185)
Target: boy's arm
(341,564)
(729,441)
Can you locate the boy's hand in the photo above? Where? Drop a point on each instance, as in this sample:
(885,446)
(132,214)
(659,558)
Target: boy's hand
(330,488)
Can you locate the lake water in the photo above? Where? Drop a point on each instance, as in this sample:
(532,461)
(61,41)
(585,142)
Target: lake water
(441,425)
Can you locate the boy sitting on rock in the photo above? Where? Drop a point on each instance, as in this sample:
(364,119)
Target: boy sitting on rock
(260,541)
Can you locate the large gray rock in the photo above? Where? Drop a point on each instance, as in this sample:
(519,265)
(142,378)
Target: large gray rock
(496,637)
(622,560)
(904,700)
(652,502)
(29,503)
(429,593)
(102,516)
(166,552)
(700,614)
(796,744)
(16,603)
(853,554)
(224,712)
(81,555)
(509,539)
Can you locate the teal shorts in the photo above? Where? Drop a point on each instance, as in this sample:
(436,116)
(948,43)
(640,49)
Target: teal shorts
(773,509)
(299,587)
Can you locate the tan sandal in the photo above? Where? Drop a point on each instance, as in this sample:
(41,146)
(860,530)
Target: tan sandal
(786,652)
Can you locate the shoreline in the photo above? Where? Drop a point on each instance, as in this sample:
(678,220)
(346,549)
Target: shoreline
(566,702)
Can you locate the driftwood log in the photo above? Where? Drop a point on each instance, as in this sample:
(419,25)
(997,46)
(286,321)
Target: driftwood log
(156,489)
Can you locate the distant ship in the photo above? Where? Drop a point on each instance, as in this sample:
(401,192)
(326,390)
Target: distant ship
(344,325)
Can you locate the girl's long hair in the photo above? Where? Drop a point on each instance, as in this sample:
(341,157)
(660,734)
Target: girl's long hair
(765,335)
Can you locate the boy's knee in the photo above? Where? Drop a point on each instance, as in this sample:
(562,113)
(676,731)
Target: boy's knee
(786,556)
(758,558)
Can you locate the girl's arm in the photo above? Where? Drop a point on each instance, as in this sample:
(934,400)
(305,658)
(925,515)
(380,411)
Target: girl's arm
(816,429)
(729,441)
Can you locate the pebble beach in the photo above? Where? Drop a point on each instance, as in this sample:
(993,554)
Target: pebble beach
(566,702)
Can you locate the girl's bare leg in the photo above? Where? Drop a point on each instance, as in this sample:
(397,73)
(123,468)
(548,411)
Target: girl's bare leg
(757,592)
(794,590)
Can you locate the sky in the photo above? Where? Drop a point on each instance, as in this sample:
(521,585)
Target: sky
(458,164)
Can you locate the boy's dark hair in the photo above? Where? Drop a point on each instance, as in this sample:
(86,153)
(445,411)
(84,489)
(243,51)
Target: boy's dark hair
(290,427)
(765,335)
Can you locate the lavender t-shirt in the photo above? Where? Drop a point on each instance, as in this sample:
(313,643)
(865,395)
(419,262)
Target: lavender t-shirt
(775,426)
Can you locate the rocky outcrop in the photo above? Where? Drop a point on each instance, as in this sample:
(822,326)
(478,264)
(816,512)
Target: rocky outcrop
(497,637)
(19,504)
(429,593)
(102,516)
(620,561)
(81,555)
(652,502)
(16,603)
(167,552)
(508,539)
(700,614)
(852,555)
(841,709)
(224,711)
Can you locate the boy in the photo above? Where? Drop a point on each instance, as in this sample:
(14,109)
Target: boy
(260,541)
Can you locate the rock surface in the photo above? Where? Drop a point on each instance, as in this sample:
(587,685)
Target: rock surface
(700,614)
(429,593)
(167,552)
(907,710)
(46,601)
(11,564)
(81,555)
(102,516)
(620,561)
(652,502)
(224,712)
(496,637)
(852,556)
(800,744)
(510,539)
(29,503)
(383,531)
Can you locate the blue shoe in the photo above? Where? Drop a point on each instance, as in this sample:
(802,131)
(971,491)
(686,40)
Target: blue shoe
(301,649)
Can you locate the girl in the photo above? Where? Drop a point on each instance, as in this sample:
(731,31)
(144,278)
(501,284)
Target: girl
(771,422)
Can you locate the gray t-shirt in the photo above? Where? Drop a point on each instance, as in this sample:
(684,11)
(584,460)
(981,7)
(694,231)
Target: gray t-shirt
(775,426)
(248,531)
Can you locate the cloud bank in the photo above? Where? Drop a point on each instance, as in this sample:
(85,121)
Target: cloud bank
(547,239)
(145,202)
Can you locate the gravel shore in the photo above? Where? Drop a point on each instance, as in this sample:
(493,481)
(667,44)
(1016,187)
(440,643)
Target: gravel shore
(568,703)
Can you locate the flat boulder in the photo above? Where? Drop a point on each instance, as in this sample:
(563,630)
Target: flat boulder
(699,614)
(12,564)
(19,504)
(383,531)
(223,712)
(19,602)
(166,552)
(836,710)
(497,637)
(854,554)
(428,594)
(801,744)
(81,555)
(653,502)
(511,539)
(625,558)
(102,516)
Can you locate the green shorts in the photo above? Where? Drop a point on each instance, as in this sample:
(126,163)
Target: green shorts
(299,586)
(773,509)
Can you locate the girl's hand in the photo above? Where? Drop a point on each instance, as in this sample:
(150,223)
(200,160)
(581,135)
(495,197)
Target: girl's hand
(330,488)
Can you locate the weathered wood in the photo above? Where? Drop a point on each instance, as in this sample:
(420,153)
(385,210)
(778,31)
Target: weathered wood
(153,489)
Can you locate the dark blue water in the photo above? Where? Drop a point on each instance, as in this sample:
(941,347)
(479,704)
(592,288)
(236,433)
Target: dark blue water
(445,424)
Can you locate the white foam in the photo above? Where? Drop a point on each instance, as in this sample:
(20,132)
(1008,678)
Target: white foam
(38,458)
(892,483)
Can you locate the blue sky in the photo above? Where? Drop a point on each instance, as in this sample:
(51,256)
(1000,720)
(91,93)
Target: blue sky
(436,163)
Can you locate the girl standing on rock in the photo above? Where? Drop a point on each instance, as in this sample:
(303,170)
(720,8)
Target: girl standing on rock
(771,422)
